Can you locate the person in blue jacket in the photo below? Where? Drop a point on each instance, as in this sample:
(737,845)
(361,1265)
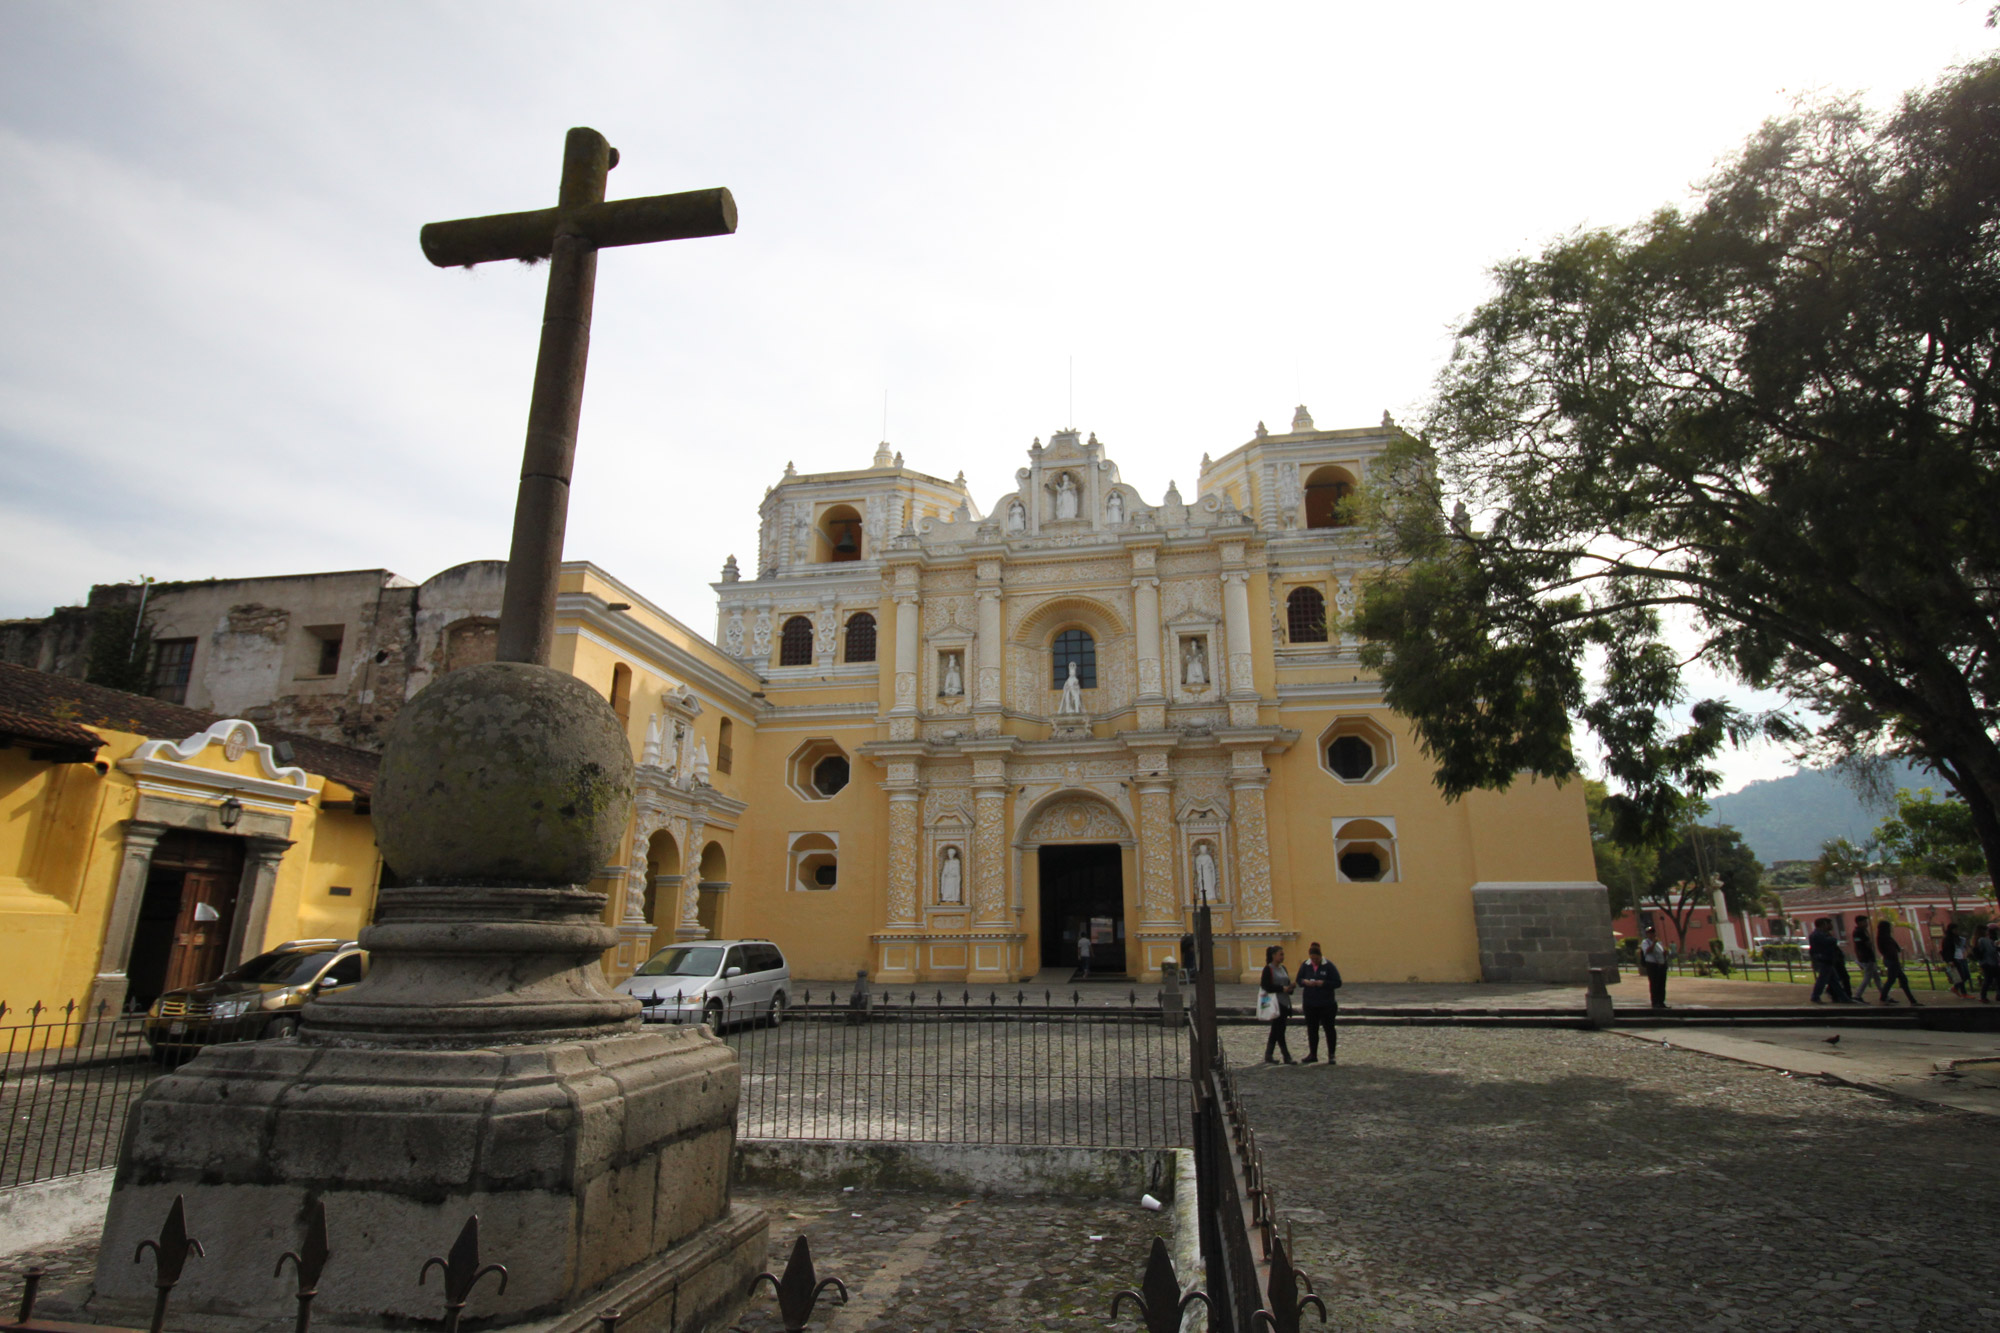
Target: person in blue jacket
(1317,982)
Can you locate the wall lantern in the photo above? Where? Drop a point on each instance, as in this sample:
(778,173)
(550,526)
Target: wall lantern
(232,810)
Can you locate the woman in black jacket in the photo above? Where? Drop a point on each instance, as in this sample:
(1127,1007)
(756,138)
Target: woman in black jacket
(1892,962)
(1277,981)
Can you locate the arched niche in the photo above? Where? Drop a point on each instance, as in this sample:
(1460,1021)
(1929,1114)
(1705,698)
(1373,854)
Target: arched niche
(839,535)
(1325,488)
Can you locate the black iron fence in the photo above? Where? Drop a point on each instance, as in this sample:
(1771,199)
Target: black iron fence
(936,1067)
(66,1078)
(1923,973)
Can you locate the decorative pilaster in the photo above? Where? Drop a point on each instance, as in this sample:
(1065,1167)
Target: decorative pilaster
(1254,905)
(1146,603)
(108,987)
(909,632)
(1236,624)
(904,877)
(1158,900)
(261,857)
(989,855)
(988,650)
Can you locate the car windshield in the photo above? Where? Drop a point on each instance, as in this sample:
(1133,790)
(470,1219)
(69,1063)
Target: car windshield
(682,962)
(281,968)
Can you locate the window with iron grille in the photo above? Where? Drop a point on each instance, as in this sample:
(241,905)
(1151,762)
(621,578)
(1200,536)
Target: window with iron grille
(861,637)
(795,644)
(1074,645)
(1305,616)
(725,753)
(173,665)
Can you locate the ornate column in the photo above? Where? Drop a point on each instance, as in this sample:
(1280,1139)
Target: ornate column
(1236,627)
(1159,903)
(1146,603)
(1255,906)
(989,856)
(909,633)
(989,651)
(108,987)
(904,821)
(690,927)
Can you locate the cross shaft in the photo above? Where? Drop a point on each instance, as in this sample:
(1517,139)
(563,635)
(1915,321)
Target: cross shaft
(569,237)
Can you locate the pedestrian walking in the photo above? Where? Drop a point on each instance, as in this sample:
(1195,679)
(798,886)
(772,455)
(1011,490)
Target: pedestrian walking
(1277,982)
(1083,949)
(1653,962)
(1864,957)
(1318,980)
(1951,948)
(1892,963)
(1829,964)
(1987,954)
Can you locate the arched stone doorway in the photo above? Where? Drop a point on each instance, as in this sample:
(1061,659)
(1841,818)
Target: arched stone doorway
(1078,848)
(663,887)
(714,886)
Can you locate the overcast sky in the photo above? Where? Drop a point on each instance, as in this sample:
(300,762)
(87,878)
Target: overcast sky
(222,353)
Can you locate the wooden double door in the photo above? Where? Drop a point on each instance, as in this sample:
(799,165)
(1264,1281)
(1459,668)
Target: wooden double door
(186,915)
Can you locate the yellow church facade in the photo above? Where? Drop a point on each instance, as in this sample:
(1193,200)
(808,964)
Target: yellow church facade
(941,744)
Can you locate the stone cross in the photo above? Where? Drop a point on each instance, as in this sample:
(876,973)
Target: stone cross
(569,236)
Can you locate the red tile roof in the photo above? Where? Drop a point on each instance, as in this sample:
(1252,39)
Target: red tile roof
(59,704)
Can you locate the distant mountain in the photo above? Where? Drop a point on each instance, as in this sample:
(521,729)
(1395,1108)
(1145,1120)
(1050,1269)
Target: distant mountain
(1786,819)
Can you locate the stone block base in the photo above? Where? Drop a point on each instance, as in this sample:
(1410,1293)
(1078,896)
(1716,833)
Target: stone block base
(1548,932)
(588,1162)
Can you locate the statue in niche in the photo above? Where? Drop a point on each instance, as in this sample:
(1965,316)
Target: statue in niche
(1017,517)
(1114,508)
(1194,666)
(1072,693)
(1204,873)
(954,683)
(1066,496)
(951,878)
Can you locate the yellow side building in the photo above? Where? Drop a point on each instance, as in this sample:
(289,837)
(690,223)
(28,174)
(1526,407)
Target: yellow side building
(144,845)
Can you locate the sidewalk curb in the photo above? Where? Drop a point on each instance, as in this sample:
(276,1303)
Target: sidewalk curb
(1879,1089)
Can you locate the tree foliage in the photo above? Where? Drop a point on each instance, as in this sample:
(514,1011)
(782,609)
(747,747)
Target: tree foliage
(1627,872)
(1766,420)
(119,653)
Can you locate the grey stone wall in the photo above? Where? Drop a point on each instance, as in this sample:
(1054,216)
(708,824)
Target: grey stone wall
(1543,932)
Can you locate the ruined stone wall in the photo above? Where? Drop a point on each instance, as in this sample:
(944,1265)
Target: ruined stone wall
(1543,932)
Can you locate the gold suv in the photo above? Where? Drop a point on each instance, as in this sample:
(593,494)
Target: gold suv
(260,999)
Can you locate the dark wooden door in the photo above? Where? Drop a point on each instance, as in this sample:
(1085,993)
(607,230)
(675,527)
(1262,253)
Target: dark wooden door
(201,932)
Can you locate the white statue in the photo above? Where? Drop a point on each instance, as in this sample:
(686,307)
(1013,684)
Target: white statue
(701,763)
(1066,497)
(954,684)
(1114,508)
(1195,673)
(651,754)
(1204,873)
(1017,517)
(1072,693)
(951,887)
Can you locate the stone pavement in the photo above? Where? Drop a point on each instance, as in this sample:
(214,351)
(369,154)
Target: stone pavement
(1481,1179)
(1956,1069)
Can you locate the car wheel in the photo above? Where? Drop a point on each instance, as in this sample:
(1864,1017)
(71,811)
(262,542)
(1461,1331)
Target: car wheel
(280,1028)
(711,1014)
(776,1013)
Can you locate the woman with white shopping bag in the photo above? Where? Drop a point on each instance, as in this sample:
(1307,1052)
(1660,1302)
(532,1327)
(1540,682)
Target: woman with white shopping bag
(1274,1005)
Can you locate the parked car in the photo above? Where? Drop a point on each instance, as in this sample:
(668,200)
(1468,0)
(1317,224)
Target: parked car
(260,999)
(713,982)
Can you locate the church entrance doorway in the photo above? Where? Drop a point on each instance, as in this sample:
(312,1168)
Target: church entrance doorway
(185,916)
(1083,891)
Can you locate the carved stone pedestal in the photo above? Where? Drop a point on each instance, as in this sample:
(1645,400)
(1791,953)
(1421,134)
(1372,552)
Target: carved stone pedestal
(482,1066)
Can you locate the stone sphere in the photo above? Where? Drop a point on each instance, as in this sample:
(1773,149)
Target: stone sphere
(503,773)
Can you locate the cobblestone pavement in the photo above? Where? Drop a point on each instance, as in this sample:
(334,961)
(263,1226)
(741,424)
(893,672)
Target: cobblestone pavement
(63,1262)
(1455,1179)
(925,1264)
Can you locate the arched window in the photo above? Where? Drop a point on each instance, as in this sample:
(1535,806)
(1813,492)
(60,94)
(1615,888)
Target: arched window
(795,642)
(1074,645)
(1305,615)
(861,637)
(839,535)
(725,749)
(621,692)
(1325,489)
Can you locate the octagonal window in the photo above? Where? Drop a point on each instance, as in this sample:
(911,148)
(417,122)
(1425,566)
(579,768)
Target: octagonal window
(819,770)
(829,775)
(1356,749)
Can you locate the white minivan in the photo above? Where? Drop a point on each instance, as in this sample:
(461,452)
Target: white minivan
(713,982)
